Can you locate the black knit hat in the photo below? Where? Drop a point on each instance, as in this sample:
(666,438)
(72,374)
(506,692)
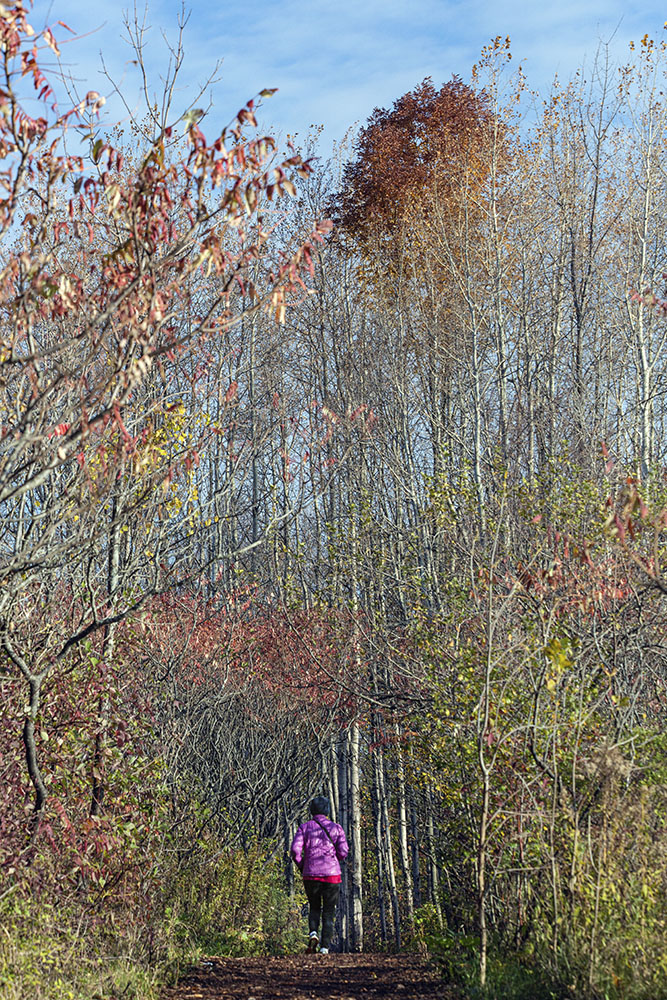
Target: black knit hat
(320,806)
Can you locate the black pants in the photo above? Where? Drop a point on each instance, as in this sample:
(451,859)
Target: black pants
(322,899)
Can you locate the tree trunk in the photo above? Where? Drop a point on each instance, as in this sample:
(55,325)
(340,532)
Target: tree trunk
(434,875)
(403,834)
(357,942)
(389,852)
(343,914)
(377,822)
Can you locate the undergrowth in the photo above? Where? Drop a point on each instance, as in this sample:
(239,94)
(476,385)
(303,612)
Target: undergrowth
(233,903)
(216,903)
(60,952)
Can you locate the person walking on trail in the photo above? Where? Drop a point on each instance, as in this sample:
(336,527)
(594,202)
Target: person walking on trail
(318,849)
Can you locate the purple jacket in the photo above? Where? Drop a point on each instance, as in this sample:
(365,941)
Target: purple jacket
(314,853)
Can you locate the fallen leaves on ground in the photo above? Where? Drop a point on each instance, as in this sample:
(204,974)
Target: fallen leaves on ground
(313,977)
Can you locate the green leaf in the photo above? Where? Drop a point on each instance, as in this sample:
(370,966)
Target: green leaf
(192,116)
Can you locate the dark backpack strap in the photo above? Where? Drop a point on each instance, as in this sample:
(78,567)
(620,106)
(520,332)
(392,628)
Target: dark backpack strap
(326,831)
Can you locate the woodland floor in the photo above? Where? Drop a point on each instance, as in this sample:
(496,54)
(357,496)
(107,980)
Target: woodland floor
(313,977)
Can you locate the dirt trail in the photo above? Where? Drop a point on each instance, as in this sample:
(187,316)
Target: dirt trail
(313,977)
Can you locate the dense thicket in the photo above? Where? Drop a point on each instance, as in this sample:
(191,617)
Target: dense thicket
(398,538)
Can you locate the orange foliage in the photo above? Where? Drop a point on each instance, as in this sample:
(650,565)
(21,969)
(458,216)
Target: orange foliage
(431,140)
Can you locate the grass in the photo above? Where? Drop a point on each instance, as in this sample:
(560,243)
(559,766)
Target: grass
(50,952)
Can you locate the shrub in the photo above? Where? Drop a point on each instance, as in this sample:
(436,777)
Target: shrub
(232,902)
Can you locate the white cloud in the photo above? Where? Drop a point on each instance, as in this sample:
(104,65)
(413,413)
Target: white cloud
(336,60)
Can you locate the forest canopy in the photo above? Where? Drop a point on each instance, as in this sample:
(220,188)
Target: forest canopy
(374,509)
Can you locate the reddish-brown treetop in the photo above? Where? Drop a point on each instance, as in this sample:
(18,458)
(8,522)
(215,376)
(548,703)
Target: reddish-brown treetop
(429,138)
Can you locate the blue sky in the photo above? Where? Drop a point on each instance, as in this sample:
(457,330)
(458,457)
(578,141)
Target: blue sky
(334,61)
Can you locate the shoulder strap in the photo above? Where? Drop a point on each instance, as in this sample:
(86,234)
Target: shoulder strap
(325,830)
